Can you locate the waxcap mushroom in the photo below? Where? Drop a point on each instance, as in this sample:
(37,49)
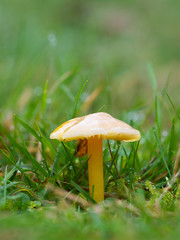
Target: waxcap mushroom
(97,124)
(95,127)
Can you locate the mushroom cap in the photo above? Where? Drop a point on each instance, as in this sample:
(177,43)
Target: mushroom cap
(97,124)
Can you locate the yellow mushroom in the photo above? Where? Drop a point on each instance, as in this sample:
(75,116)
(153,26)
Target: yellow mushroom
(95,127)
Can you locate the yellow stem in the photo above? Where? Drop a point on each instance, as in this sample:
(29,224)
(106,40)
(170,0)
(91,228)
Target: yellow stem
(95,168)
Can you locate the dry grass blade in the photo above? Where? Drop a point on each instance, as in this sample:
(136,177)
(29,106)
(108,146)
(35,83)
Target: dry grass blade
(166,189)
(24,98)
(69,196)
(7,121)
(170,183)
(62,78)
(90,99)
(99,209)
(176,163)
(128,206)
(145,168)
(39,152)
(160,176)
(32,150)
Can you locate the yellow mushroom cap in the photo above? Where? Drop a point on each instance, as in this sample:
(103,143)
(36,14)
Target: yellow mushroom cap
(97,124)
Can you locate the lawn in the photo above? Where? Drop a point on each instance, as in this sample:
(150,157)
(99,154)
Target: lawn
(65,59)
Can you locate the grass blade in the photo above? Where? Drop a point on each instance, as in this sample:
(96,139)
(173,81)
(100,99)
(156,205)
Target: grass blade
(46,142)
(172,141)
(161,150)
(83,192)
(28,128)
(152,77)
(44,100)
(5,185)
(73,112)
(61,79)
(28,155)
(56,160)
(172,104)
(157,113)
(67,91)
(70,159)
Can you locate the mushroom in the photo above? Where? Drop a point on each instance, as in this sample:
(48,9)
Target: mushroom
(95,127)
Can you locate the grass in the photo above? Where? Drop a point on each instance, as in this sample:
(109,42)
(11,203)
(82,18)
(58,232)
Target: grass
(57,63)
(65,222)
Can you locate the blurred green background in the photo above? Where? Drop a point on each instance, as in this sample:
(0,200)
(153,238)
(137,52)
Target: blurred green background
(108,43)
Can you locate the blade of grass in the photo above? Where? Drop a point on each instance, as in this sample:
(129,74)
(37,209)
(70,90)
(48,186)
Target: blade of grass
(161,150)
(43,154)
(67,91)
(61,170)
(151,168)
(157,113)
(28,155)
(135,156)
(113,158)
(62,78)
(69,157)
(56,161)
(12,159)
(127,158)
(152,77)
(11,173)
(108,173)
(83,192)
(5,186)
(28,128)
(22,171)
(74,109)
(81,169)
(172,141)
(172,104)
(44,100)
(46,142)
(155,89)
(24,144)
(101,108)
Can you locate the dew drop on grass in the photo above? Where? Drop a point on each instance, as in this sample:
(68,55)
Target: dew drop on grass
(142,140)
(38,91)
(52,39)
(164,135)
(135,116)
(48,101)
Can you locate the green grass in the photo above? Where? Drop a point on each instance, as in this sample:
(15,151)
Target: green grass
(111,221)
(54,55)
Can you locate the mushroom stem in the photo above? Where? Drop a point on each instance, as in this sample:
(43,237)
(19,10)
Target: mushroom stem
(95,168)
